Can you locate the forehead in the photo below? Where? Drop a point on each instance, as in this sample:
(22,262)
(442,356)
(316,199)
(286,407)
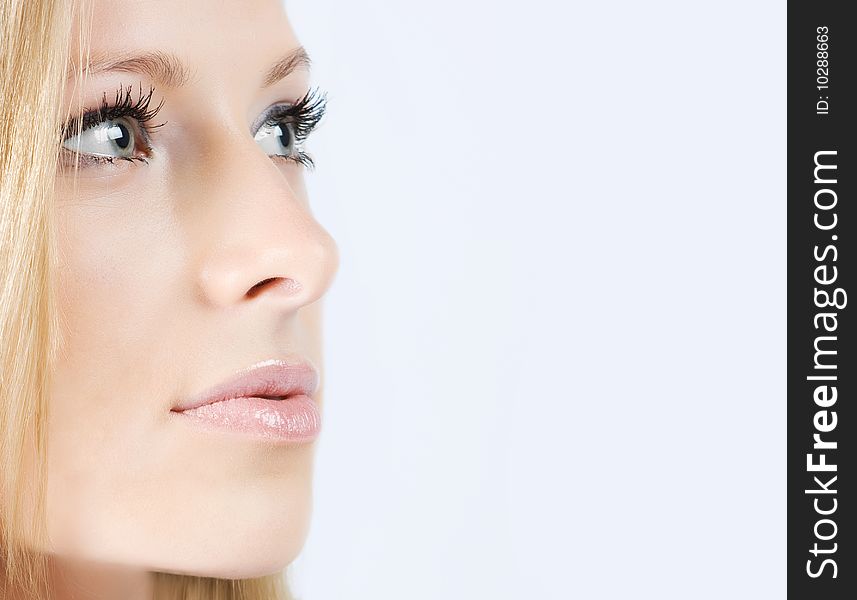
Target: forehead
(237,33)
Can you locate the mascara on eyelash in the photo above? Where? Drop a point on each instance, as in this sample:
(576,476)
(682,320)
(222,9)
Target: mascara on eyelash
(306,113)
(122,106)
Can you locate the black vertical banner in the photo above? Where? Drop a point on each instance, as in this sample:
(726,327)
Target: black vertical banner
(822,373)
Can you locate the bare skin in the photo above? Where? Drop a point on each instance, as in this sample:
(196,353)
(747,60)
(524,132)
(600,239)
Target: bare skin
(159,298)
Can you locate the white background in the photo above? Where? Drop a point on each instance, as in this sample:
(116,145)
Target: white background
(555,348)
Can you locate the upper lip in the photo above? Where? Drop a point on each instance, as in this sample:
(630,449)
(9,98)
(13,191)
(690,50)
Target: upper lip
(274,378)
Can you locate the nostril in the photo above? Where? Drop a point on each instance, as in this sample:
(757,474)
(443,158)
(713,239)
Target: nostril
(256,289)
(282,284)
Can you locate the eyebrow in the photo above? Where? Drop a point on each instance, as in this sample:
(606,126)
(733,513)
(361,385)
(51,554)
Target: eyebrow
(169,70)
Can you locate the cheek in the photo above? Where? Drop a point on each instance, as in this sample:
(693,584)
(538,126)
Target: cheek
(115,271)
(114,296)
(118,300)
(113,292)
(92,282)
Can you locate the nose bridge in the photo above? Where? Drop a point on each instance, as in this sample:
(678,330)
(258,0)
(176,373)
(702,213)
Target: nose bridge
(256,237)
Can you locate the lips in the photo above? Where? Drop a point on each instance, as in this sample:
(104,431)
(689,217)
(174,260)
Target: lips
(273,379)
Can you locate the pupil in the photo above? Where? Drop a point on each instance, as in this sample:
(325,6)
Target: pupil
(285,135)
(125,140)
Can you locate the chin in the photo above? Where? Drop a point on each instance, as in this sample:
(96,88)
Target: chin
(262,555)
(262,543)
(236,560)
(256,533)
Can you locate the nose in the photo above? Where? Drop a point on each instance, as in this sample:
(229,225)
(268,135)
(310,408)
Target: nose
(257,239)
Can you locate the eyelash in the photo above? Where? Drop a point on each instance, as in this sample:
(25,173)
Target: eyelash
(304,115)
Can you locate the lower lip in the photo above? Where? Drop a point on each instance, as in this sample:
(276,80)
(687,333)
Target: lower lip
(295,419)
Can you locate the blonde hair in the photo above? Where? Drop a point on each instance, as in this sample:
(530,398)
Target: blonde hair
(35,37)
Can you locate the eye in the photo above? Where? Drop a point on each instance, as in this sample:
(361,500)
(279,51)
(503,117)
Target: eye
(285,128)
(114,138)
(118,130)
(277,138)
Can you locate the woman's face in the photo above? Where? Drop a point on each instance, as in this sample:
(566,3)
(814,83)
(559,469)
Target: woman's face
(176,273)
